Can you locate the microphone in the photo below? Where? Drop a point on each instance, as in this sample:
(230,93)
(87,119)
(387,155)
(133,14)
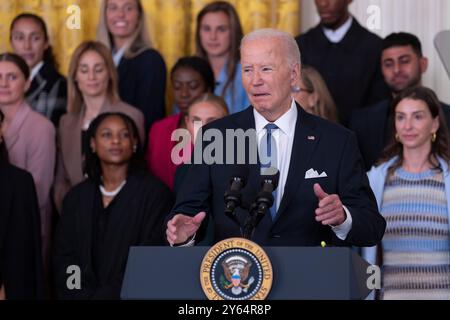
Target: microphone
(233,197)
(269,183)
(264,199)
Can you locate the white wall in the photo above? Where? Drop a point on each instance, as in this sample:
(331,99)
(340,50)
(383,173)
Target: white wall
(424,18)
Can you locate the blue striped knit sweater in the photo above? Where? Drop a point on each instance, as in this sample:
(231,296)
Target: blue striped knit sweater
(416,245)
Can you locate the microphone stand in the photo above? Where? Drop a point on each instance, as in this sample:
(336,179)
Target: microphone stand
(258,209)
(233,199)
(263,201)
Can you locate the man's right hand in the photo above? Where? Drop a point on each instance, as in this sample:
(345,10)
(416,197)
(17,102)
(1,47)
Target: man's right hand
(181,227)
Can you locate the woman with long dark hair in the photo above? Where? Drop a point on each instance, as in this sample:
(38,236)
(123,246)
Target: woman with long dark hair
(217,39)
(48,90)
(412,186)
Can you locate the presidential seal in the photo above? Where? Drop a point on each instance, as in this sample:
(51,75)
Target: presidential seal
(236,269)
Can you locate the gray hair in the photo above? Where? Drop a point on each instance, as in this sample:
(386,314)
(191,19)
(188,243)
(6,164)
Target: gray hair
(291,48)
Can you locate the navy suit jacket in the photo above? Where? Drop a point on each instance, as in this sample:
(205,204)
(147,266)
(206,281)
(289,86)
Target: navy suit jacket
(373,131)
(318,144)
(142,84)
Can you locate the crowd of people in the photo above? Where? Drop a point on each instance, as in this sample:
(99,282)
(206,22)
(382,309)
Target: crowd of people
(87,168)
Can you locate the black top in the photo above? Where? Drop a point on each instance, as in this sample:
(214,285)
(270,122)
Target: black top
(101,220)
(48,93)
(142,84)
(98,240)
(21,270)
(84,142)
(350,68)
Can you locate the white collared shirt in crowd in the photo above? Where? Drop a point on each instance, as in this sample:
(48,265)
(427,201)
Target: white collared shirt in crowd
(117,55)
(36,70)
(337,35)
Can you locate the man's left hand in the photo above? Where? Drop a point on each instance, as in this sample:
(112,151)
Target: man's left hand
(330,210)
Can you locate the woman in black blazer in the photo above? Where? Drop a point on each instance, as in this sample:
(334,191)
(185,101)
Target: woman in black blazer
(48,90)
(142,70)
(21,273)
(118,206)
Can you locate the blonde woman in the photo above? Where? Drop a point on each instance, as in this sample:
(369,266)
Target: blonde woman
(92,84)
(142,71)
(313,94)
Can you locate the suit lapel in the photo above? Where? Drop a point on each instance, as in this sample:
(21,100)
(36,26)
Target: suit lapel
(13,133)
(37,86)
(123,69)
(71,146)
(107,106)
(386,126)
(86,218)
(306,139)
(245,119)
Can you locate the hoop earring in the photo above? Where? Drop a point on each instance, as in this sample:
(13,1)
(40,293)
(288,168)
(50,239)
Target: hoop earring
(433,137)
(397,137)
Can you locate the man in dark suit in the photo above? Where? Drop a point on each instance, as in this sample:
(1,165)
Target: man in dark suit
(402,64)
(323,192)
(346,55)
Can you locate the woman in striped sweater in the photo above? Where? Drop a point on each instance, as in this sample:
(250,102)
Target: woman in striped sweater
(412,187)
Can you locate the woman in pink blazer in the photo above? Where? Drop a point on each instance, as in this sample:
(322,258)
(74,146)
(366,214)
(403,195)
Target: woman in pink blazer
(29,137)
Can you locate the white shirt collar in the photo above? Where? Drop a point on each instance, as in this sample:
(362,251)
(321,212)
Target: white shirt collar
(117,55)
(286,122)
(337,35)
(36,70)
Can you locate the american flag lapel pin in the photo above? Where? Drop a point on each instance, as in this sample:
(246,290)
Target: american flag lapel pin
(311,138)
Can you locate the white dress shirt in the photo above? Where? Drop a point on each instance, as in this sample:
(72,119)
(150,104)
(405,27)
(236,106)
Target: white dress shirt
(284,139)
(36,70)
(337,35)
(117,55)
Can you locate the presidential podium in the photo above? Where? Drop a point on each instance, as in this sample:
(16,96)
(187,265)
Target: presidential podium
(167,273)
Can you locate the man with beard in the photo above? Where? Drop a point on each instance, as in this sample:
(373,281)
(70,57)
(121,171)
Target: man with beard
(402,65)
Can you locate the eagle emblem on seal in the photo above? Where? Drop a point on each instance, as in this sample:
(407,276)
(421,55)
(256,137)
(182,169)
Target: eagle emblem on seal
(236,270)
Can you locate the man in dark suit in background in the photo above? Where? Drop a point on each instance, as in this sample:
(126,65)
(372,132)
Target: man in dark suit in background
(346,55)
(402,64)
(323,192)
